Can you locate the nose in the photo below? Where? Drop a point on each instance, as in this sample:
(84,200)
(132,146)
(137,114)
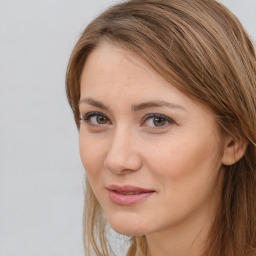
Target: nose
(123,156)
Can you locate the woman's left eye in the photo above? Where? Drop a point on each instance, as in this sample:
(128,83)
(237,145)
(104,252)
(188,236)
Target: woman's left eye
(157,121)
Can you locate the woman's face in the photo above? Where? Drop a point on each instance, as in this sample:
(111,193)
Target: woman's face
(151,153)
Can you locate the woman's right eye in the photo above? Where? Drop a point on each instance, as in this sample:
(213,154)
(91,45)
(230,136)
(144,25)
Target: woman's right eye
(95,119)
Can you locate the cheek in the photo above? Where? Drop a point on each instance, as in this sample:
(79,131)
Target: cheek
(92,155)
(181,162)
(188,176)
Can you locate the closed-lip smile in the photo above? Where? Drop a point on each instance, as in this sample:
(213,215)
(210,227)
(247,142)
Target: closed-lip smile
(128,195)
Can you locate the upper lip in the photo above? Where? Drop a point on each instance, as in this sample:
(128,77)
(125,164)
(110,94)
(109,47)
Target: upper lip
(129,188)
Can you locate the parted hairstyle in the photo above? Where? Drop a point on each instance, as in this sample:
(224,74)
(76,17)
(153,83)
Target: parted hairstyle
(201,48)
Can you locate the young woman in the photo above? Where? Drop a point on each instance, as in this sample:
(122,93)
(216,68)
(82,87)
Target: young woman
(164,97)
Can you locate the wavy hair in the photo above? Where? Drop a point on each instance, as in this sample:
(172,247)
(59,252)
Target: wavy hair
(202,49)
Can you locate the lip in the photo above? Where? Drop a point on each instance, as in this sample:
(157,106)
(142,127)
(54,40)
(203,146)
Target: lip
(117,196)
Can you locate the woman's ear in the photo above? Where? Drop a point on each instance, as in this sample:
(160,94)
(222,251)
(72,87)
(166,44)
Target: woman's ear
(234,149)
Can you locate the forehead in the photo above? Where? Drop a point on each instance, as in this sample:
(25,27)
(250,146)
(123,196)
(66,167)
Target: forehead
(113,61)
(116,76)
(109,68)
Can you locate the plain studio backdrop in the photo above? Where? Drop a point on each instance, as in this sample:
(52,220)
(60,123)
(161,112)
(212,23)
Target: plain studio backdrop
(41,176)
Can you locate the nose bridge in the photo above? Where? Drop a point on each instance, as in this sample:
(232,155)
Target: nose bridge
(122,155)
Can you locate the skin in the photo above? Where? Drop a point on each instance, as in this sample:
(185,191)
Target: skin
(181,160)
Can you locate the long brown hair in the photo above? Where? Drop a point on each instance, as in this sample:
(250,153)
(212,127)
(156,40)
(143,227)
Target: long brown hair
(202,49)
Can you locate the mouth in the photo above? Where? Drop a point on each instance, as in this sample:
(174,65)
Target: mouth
(128,195)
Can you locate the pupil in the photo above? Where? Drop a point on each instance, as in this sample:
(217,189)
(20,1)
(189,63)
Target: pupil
(101,120)
(159,121)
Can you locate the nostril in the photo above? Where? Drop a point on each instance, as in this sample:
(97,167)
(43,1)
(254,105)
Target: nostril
(123,155)
(119,164)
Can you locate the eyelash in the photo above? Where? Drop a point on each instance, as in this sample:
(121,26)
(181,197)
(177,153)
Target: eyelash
(87,118)
(166,119)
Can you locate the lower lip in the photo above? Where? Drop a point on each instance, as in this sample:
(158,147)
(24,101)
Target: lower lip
(126,200)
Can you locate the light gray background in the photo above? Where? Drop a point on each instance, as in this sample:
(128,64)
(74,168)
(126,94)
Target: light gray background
(41,177)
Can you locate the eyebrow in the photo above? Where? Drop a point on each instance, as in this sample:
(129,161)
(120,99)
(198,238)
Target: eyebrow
(94,103)
(155,104)
(137,107)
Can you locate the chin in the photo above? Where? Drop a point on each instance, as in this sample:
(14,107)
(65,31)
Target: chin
(127,226)
(127,231)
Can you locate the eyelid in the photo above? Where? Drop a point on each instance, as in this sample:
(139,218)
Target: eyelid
(92,113)
(154,115)
(86,117)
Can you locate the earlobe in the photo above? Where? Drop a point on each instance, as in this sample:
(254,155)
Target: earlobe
(234,149)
